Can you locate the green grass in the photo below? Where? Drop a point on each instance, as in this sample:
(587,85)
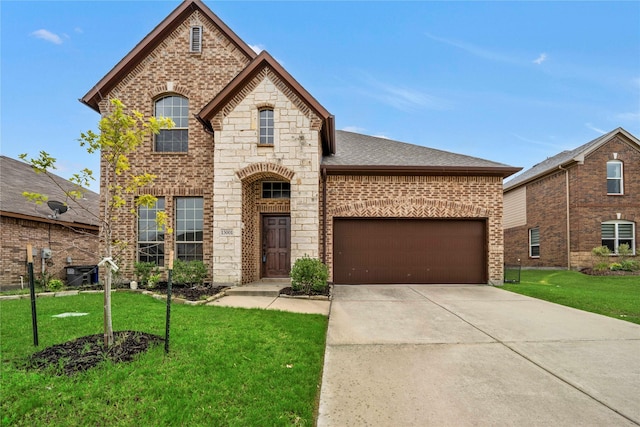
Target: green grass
(614,296)
(226,366)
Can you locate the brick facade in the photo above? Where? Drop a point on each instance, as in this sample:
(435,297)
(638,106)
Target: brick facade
(420,197)
(78,244)
(589,206)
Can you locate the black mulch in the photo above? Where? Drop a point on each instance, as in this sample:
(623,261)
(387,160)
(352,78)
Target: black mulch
(84,353)
(592,272)
(289,291)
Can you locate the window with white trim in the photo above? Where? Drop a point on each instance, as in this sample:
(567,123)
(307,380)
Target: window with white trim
(266,126)
(189,228)
(175,139)
(195,39)
(150,239)
(534,242)
(615,184)
(616,233)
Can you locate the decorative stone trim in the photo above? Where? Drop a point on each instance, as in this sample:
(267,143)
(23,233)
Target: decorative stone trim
(416,207)
(265,170)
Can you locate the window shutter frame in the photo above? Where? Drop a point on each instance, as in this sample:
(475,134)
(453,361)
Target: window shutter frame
(195,39)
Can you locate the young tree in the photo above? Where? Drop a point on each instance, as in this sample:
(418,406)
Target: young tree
(120,133)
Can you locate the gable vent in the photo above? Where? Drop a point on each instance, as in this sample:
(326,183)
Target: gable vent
(196,39)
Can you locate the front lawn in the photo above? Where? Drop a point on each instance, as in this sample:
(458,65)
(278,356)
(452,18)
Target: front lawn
(614,296)
(226,366)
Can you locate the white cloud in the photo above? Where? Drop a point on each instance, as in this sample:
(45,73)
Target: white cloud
(355,129)
(540,59)
(632,117)
(257,48)
(474,50)
(78,30)
(47,35)
(593,128)
(403,98)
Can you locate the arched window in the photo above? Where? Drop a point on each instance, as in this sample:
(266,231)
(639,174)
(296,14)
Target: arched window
(266,126)
(615,184)
(175,139)
(616,233)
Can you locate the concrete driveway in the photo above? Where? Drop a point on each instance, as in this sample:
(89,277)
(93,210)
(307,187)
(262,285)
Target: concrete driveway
(474,355)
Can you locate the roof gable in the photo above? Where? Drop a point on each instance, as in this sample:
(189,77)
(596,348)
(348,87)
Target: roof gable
(360,154)
(262,61)
(18,176)
(566,158)
(155,37)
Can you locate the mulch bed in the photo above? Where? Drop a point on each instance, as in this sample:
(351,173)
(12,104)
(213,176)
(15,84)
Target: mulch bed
(190,293)
(592,272)
(84,353)
(289,291)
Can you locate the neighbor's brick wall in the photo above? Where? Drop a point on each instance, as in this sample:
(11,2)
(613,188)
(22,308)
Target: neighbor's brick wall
(420,197)
(546,209)
(81,246)
(589,206)
(171,69)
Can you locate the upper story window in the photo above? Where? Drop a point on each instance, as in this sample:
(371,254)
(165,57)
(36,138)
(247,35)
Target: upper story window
(616,233)
(174,139)
(534,242)
(195,39)
(276,190)
(266,126)
(614,177)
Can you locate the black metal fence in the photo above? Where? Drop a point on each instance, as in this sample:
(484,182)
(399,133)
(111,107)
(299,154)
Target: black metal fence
(512,273)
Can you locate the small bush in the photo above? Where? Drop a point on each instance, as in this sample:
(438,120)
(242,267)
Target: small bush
(615,266)
(189,272)
(144,272)
(624,251)
(309,275)
(54,285)
(630,265)
(601,251)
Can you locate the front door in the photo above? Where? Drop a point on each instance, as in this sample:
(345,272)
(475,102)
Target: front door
(276,246)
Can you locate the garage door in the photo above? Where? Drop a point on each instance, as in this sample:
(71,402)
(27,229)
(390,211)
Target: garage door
(386,251)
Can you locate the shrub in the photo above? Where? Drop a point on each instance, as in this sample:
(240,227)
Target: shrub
(601,257)
(309,275)
(54,285)
(189,272)
(615,266)
(630,265)
(144,271)
(624,251)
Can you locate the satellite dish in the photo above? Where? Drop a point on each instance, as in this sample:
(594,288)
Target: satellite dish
(58,208)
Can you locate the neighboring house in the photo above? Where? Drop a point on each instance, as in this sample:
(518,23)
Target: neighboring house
(255,176)
(556,212)
(70,239)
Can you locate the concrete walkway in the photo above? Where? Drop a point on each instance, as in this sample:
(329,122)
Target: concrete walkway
(474,355)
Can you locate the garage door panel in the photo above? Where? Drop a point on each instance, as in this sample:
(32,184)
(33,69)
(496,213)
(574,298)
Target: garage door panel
(409,251)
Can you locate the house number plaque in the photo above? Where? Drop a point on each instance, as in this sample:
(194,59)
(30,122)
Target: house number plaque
(226,232)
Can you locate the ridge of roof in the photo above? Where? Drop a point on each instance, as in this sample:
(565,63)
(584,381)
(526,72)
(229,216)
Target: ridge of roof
(17,176)
(151,40)
(264,59)
(358,153)
(565,158)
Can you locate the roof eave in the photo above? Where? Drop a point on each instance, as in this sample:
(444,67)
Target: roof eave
(97,93)
(575,161)
(49,221)
(420,170)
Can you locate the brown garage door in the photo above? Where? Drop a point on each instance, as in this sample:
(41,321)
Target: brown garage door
(379,251)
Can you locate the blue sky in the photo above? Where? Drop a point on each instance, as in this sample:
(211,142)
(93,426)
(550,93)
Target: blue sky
(512,82)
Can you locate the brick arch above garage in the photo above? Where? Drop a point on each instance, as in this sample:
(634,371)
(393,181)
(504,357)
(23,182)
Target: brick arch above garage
(416,207)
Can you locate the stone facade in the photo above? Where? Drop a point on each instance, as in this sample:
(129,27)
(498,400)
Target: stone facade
(589,206)
(420,197)
(78,244)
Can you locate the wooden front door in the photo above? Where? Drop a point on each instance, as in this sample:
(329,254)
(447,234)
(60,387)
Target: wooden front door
(276,246)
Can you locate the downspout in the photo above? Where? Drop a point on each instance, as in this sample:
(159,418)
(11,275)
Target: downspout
(566,179)
(324,215)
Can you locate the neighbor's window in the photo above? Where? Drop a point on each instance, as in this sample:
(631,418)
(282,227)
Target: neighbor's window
(195,40)
(176,138)
(614,177)
(276,190)
(266,126)
(616,233)
(150,239)
(189,228)
(534,242)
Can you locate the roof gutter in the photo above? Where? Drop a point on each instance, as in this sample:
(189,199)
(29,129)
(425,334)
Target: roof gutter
(419,170)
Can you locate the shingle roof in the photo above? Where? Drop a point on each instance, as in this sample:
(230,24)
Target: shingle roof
(17,176)
(363,151)
(562,159)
